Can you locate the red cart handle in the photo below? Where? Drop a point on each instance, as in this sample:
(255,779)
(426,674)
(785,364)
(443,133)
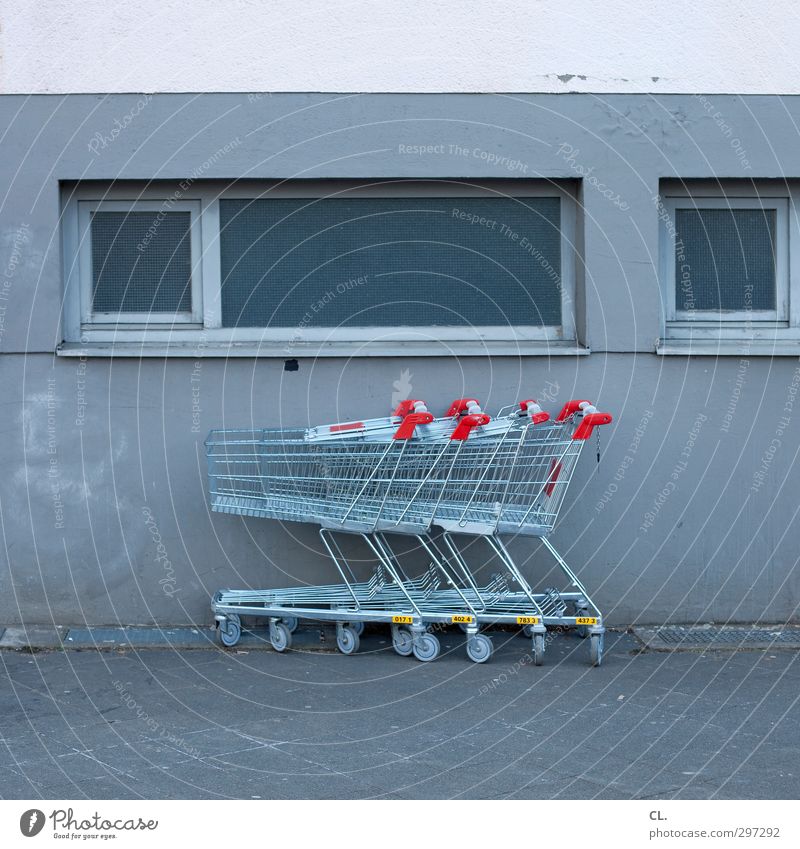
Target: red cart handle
(409,424)
(537,414)
(461,405)
(589,423)
(411,405)
(569,408)
(466,425)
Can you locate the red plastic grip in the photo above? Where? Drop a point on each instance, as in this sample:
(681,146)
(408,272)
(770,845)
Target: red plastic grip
(589,423)
(538,418)
(466,425)
(459,406)
(338,428)
(569,408)
(410,422)
(406,407)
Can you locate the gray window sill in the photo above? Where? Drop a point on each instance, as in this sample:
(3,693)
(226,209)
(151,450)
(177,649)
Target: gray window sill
(284,350)
(729,347)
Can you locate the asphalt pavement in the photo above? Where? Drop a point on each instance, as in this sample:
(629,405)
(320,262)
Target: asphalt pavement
(250,723)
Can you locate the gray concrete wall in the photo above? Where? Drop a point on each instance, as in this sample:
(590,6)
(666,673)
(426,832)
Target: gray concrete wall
(710,453)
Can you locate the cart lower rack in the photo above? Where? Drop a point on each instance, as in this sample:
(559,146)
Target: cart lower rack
(464,476)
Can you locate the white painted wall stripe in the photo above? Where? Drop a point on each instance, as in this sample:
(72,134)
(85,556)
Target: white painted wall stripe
(737,46)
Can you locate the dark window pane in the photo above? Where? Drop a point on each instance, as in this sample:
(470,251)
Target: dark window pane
(390,262)
(725,259)
(141,262)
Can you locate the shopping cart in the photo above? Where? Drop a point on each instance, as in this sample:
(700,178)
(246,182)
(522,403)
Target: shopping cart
(464,474)
(343,482)
(521,493)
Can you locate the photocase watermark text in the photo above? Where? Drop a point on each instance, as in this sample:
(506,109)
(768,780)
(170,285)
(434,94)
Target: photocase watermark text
(101,140)
(168,582)
(570,155)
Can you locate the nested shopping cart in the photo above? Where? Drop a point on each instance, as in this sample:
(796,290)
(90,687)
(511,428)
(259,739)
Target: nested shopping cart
(520,493)
(431,479)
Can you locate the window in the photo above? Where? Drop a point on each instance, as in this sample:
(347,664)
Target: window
(725,267)
(139,262)
(409,261)
(323,267)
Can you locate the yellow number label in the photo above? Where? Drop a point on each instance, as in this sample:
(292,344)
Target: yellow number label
(527,620)
(465,619)
(402,620)
(585,620)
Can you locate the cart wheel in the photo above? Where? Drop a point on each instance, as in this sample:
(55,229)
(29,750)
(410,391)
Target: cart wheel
(230,630)
(527,630)
(479,648)
(291,622)
(402,641)
(280,636)
(538,649)
(347,639)
(426,648)
(358,627)
(596,642)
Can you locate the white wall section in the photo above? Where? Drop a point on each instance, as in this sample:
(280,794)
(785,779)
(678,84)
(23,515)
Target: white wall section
(736,46)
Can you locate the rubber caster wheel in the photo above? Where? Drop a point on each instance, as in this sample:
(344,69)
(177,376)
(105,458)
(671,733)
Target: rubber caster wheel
(426,648)
(347,639)
(280,636)
(527,630)
(402,641)
(479,648)
(538,649)
(291,622)
(230,630)
(596,643)
(358,627)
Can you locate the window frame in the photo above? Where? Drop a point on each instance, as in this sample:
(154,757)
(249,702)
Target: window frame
(205,325)
(89,317)
(734,332)
(778,316)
